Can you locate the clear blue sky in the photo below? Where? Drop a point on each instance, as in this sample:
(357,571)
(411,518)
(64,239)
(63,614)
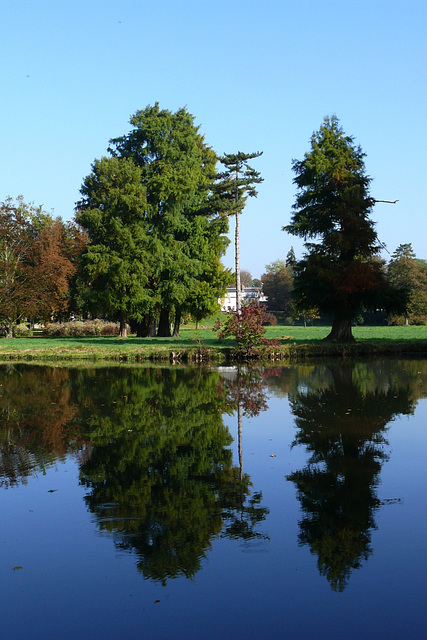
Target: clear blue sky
(256,76)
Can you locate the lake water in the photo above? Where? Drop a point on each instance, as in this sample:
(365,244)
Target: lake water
(157,503)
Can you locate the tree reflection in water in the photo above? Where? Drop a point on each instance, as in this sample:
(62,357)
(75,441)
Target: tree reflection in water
(160,474)
(245,391)
(155,453)
(38,423)
(341,417)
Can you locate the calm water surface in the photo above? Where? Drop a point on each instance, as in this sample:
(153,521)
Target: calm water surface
(162,503)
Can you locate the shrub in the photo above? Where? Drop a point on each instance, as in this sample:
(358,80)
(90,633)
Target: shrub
(86,328)
(269,319)
(22,331)
(246,326)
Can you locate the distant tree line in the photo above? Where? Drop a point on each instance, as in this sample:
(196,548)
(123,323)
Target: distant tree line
(403,271)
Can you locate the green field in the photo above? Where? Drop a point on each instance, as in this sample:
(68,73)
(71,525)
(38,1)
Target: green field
(362,334)
(193,341)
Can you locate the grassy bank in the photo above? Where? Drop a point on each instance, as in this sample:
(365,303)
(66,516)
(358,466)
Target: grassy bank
(203,345)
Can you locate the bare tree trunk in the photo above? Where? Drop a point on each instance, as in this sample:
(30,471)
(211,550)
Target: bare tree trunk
(164,328)
(146,328)
(237,264)
(152,328)
(176,324)
(9,330)
(341,330)
(237,255)
(123,328)
(141,330)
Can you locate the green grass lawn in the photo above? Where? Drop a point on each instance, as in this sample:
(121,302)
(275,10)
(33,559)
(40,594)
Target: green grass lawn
(362,334)
(190,338)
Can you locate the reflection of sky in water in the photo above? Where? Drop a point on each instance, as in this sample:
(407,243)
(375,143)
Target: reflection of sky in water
(74,582)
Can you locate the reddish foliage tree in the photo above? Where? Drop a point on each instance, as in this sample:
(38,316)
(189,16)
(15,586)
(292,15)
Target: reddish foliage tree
(38,257)
(51,271)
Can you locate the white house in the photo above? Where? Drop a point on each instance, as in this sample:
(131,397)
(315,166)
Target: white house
(249,294)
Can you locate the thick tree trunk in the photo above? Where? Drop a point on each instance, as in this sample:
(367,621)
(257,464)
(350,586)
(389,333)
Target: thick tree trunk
(146,328)
(123,328)
(164,328)
(141,329)
(9,330)
(177,324)
(341,330)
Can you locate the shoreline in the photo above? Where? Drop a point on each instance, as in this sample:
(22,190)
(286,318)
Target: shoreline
(221,355)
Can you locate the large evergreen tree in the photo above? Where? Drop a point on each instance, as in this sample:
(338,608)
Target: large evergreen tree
(340,273)
(177,170)
(155,240)
(119,257)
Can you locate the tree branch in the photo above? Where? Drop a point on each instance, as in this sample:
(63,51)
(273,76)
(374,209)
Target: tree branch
(387,201)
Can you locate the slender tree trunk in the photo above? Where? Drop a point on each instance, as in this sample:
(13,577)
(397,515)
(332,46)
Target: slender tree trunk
(164,328)
(341,329)
(123,327)
(237,263)
(177,323)
(197,325)
(152,328)
(237,254)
